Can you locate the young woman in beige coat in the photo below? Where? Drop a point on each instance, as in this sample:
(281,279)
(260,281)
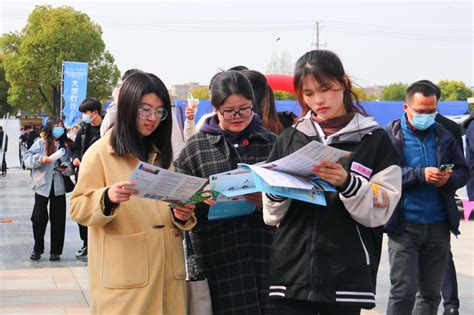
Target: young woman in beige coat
(136,262)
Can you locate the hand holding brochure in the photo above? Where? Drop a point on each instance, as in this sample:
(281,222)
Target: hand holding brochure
(300,162)
(238,182)
(158,183)
(289,177)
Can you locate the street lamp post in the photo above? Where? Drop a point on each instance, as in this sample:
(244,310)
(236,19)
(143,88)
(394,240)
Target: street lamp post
(273,54)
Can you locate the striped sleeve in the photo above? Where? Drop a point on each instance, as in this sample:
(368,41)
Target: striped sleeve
(353,186)
(274,208)
(357,197)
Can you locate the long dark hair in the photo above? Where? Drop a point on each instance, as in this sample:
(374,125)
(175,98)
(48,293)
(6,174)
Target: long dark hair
(49,138)
(264,104)
(125,138)
(227,83)
(325,67)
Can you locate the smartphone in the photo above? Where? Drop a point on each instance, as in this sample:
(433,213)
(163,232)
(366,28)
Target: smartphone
(446,167)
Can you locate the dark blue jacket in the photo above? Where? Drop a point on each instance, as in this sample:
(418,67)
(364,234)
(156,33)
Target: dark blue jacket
(447,152)
(469,126)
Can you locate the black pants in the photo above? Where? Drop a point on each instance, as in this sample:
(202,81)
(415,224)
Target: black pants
(57,217)
(4,164)
(83,234)
(297,307)
(449,290)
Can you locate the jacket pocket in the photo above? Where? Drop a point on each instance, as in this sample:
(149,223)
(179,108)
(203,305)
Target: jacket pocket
(367,257)
(124,262)
(177,254)
(39,178)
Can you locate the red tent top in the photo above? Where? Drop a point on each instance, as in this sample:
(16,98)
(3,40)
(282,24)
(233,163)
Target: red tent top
(280,82)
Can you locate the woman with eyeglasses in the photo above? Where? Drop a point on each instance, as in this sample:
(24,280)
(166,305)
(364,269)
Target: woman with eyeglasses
(231,253)
(136,262)
(48,184)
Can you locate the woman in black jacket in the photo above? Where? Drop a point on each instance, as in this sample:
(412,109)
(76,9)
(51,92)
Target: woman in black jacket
(324,258)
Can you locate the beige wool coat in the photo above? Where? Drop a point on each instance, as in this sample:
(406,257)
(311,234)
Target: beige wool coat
(136,261)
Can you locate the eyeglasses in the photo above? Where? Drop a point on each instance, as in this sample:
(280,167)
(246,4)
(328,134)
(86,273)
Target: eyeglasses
(230,114)
(147,113)
(422,112)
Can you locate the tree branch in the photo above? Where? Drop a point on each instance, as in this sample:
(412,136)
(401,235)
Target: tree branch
(45,98)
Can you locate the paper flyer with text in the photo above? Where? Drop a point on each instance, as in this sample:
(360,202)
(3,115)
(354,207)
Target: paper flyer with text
(158,183)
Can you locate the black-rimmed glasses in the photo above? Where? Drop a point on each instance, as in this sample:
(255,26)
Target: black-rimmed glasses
(230,114)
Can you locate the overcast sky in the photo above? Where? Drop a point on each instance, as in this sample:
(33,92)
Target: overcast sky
(188,41)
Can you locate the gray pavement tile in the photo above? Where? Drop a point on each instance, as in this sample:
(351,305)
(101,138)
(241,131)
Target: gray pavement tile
(16,238)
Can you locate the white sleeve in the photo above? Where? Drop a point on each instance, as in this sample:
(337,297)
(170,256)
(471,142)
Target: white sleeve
(176,138)
(358,196)
(274,208)
(108,120)
(189,129)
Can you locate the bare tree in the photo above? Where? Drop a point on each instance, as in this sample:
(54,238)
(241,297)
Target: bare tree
(281,64)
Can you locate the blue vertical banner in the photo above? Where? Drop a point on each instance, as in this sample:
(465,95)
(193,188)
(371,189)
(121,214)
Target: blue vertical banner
(74,90)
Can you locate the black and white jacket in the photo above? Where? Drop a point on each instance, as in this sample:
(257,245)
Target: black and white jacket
(331,253)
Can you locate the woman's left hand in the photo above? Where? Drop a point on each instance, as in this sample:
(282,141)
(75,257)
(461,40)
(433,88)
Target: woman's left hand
(184,212)
(331,172)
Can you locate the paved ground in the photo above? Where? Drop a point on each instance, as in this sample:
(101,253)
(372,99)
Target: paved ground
(44,287)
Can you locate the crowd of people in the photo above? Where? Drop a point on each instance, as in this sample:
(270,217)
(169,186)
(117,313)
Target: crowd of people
(287,256)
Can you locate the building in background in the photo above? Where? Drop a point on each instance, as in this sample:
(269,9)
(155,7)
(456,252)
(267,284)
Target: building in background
(180,91)
(374,90)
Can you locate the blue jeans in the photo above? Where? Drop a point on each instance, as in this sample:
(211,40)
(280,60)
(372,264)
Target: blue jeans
(418,262)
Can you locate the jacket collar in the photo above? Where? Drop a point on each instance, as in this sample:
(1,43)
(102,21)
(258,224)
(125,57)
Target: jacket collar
(355,130)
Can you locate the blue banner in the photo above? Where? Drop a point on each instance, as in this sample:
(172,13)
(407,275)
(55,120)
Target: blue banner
(74,90)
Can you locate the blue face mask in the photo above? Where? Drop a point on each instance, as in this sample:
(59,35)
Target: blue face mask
(86,118)
(58,132)
(423,121)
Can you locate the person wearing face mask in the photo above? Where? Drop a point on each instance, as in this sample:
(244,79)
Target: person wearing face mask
(89,133)
(48,184)
(419,229)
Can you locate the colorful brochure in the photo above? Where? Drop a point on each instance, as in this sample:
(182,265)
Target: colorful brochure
(290,177)
(232,186)
(158,183)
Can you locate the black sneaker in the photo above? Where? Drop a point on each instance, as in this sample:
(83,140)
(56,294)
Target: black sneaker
(54,257)
(35,255)
(82,252)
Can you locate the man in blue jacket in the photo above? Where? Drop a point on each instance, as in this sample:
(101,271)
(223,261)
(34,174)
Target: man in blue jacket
(418,231)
